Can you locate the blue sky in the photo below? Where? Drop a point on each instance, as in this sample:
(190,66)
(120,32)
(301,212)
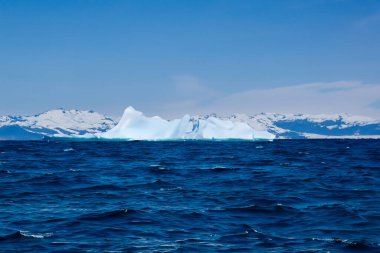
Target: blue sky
(171,57)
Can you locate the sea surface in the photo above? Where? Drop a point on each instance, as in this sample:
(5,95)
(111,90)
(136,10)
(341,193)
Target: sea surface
(191,196)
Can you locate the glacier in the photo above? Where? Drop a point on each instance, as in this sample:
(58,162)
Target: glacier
(134,125)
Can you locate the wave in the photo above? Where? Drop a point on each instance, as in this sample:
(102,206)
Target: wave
(179,191)
(243,233)
(116,214)
(156,184)
(222,169)
(351,244)
(279,208)
(158,169)
(99,187)
(24,234)
(335,210)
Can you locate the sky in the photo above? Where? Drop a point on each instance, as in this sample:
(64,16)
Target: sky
(171,57)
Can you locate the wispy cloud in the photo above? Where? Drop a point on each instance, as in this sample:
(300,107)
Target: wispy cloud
(315,98)
(187,85)
(189,95)
(368,21)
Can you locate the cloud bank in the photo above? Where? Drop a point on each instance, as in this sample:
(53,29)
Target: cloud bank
(315,98)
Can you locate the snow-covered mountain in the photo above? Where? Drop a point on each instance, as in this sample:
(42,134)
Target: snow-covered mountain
(303,126)
(56,123)
(70,123)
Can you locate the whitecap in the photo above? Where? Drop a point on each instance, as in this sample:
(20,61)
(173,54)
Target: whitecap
(36,235)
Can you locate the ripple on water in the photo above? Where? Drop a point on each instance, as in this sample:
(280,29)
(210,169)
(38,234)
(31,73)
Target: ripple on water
(283,196)
(24,235)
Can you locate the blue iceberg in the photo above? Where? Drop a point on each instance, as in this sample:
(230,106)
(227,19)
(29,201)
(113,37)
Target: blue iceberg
(134,125)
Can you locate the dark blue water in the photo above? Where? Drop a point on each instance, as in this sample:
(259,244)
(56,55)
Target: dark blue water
(285,196)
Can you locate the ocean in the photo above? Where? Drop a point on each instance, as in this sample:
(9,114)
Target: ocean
(190,196)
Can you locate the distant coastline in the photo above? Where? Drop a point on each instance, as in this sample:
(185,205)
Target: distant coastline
(63,123)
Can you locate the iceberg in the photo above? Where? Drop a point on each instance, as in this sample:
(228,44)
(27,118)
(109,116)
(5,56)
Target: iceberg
(134,125)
